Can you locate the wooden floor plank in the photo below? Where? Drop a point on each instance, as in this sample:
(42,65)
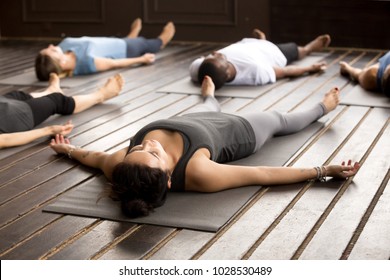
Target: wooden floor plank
(374,241)
(138,244)
(21,229)
(183,246)
(48,239)
(89,244)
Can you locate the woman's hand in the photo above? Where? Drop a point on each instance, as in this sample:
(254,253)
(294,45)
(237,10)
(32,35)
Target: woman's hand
(342,171)
(60,144)
(63,129)
(148,58)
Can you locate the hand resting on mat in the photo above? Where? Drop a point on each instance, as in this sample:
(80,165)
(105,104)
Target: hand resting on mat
(191,152)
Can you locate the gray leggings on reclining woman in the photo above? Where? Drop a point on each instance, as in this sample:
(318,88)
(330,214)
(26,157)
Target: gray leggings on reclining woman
(270,123)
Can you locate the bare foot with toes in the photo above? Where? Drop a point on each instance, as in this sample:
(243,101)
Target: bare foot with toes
(331,99)
(112,87)
(318,43)
(208,87)
(135,28)
(167,34)
(258,34)
(345,70)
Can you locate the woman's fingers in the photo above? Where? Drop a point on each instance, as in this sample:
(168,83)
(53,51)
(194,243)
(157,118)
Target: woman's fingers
(344,170)
(60,139)
(350,169)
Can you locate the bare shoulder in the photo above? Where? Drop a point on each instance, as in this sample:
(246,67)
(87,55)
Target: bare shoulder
(112,160)
(368,77)
(197,170)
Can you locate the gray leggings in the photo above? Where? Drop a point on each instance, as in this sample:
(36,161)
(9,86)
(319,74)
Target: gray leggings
(271,123)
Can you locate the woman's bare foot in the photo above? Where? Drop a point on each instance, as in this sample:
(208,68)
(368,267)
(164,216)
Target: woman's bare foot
(345,69)
(258,34)
(135,28)
(208,87)
(167,34)
(318,43)
(111,88)
(331,99)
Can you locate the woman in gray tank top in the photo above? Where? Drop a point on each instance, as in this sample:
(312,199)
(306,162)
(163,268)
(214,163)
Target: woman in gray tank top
(171,154)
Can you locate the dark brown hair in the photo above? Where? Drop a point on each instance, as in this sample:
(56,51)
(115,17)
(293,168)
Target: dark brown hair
(44,65)
(139,188)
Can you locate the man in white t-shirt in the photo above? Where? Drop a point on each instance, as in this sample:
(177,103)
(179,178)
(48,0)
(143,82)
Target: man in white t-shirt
(256,61)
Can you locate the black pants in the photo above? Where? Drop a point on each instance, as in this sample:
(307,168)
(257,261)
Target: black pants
(45,106)
(290,51)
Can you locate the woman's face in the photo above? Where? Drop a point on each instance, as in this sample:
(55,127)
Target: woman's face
(54,52)
(149,153)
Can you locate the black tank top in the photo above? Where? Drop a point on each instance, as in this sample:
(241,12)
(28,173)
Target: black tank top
(227,137)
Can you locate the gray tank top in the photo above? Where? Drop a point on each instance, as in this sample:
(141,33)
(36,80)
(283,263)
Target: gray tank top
(227,137)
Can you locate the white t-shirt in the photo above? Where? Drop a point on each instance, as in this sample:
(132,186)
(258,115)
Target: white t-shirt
(253,60)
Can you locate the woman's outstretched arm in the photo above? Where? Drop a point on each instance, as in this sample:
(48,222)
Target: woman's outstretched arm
(104,64)
(208,176)
(21,138)
(95,159)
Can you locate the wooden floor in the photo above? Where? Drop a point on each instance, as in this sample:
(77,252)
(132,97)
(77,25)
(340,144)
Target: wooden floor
(334,220)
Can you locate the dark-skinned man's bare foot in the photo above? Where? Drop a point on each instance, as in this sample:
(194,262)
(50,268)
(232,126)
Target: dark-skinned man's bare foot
(258,34)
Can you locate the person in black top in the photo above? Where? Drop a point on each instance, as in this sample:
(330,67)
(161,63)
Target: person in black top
(189,152)
(21,112)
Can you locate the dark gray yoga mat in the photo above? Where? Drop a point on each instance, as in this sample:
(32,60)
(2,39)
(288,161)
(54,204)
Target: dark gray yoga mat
(186,86)
(361,97)
(199,211)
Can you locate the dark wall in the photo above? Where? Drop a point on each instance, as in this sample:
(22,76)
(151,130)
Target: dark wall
(196,20)
(352,23)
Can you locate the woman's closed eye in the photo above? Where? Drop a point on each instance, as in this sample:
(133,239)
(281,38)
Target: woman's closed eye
(140,148)
(154,154)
